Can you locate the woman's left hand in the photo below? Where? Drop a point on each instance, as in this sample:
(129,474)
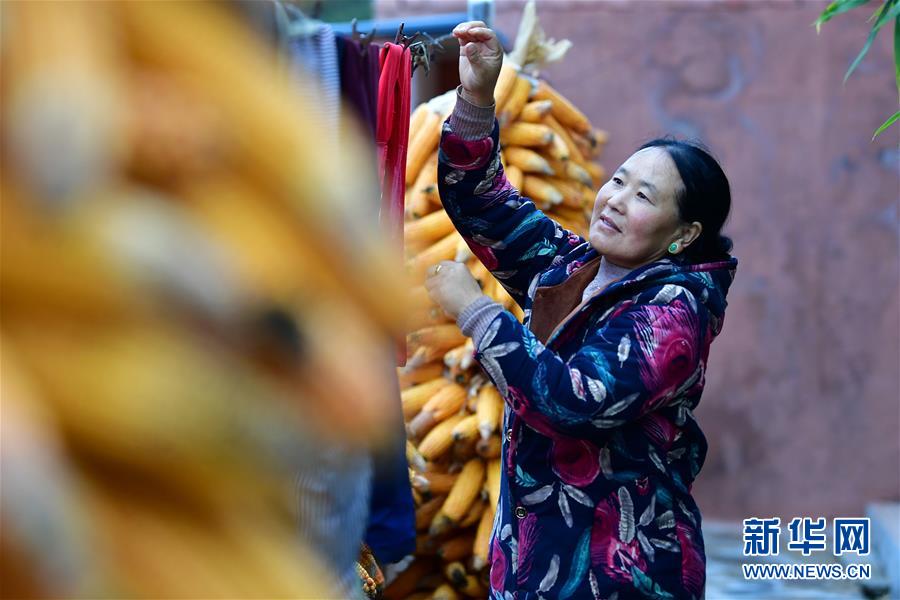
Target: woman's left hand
(452,286)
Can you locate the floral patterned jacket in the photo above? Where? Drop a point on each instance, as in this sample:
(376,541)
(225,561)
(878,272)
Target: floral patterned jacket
(601,445)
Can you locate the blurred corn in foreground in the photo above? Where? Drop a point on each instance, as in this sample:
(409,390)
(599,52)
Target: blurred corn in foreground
(192,302)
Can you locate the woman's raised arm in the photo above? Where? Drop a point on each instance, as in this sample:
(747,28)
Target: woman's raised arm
(505,230)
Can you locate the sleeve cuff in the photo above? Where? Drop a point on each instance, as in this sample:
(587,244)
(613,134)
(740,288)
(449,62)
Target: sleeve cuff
(469,121)
(474,319)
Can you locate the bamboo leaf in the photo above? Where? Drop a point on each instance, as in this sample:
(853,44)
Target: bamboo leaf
(861,54)
(891,10)
(835,8)
(896,53)
(887,124)
(877,12)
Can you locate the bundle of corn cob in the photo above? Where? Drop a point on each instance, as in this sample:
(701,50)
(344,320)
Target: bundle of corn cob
(453,414)
(170,326)
(549,152)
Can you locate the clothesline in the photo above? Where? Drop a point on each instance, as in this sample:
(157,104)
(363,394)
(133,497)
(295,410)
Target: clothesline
(422,44)
(433,28)
(436,24)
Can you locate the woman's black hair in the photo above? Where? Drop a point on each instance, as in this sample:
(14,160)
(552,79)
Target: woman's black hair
(705,197)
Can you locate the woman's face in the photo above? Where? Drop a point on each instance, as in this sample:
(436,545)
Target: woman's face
(635,214)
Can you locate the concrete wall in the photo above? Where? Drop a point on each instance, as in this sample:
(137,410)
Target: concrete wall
(802,406)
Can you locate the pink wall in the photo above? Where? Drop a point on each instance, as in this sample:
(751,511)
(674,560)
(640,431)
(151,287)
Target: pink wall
(802,406)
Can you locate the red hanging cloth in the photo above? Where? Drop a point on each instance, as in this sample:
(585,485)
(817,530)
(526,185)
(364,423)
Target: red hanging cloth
(392,139)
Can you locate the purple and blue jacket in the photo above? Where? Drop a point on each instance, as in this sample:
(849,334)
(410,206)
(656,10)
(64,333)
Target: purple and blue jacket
(600,441)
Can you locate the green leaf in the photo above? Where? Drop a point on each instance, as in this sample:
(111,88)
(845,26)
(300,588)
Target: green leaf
(897,52)
(891,11)
(835,8)
(877,12)
(887,124)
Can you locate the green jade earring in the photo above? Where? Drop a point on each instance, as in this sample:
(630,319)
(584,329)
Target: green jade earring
(673,248)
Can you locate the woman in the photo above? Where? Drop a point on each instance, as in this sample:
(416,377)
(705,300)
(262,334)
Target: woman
(601,446)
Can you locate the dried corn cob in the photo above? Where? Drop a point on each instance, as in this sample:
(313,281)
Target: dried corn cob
(598,174)
(565,136)
(456,548)
(423,195)
(563,110)
(414,398)
(517,99)
(444,403)
(428,228)
(488,448)
(570,191)
(427,510)
(526,134)
(445,592)
(541,190)
(439,439)
(505,83)
(416,461)
(461,496)
(570,170)
(482,538)
(444,249)
(492,481)
(431,484)
(466,429)
(558,149)
(534,112)
(473,515)
(489,411)
(417,119)
(416,373)
(423,145)
(528,160)
(514,176)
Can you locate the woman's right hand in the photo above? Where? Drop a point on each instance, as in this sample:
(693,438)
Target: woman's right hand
(480,59)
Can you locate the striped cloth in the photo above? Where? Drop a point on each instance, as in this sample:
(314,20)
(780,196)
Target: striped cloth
(333,509)
(314,56)
(332,486)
